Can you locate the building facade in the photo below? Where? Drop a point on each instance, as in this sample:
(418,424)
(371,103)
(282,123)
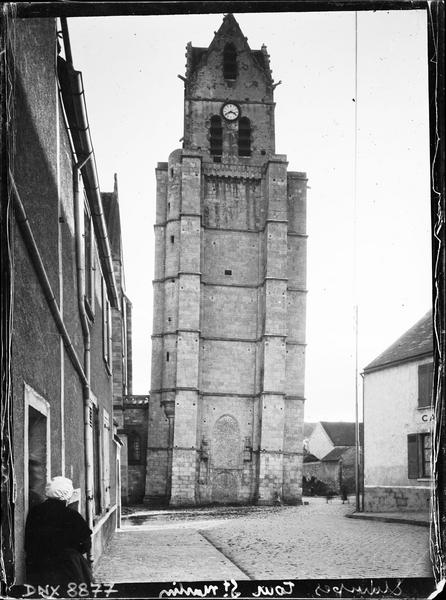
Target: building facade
(133,433)
(398,419)
(64,292)
(330,455)
(130,411)
(324,436)
(228,344)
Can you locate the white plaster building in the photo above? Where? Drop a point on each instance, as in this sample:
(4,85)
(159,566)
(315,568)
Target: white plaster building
(397,423)
(329,453)
(324,436)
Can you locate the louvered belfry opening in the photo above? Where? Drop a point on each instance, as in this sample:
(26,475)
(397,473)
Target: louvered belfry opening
(216,137)
(230,62)
(244,137)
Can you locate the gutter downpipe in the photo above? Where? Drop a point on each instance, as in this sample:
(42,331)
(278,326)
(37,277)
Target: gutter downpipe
(86,167)
(363,446)
(88,432)
(84,151)
(81,138)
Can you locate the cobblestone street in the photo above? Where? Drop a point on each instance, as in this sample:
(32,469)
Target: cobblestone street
(304,542)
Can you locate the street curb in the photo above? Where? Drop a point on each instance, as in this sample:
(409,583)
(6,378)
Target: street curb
(417,522)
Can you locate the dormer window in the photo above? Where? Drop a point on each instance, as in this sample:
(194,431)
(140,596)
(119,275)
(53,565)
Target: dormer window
(244,137)
(230,62)
(216,137)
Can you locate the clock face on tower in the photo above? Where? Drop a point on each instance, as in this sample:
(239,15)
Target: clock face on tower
(230,111)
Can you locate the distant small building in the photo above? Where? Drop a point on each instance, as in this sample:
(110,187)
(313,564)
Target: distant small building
(398,417)
(308,430)
(324,436)
(329,455)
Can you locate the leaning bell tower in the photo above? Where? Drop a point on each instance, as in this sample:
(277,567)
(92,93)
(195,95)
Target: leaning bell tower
(228,343)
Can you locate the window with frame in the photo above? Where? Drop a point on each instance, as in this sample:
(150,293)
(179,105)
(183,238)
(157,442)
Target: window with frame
(97,467)
(230,62)
(89,261)
(419,448)
(106,326)
(425,381)
(106,458)
(134,448)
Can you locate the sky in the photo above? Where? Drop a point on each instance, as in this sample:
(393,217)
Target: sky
(368,217)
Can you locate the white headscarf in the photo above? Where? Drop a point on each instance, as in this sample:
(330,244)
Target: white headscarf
(60,488)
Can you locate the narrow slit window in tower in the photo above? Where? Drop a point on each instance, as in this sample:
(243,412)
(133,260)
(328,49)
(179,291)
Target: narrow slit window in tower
(230,62)
(216,136)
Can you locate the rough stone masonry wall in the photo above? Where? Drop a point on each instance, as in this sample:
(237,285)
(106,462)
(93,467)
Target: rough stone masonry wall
(158,426)
(136,421)
(206,90)
(295,345)
(229,338)
(274,335)
(184,456)
(396,499)
(241,288)
(227,447)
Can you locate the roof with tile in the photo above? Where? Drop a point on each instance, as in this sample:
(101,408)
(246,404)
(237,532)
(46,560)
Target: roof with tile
(342,433)
(335,454)
(308,429)
(414,344)
(310,458)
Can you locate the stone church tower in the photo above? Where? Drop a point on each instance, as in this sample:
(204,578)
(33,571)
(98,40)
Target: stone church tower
(228,344)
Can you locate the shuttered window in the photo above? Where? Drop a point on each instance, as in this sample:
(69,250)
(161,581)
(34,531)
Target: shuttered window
(425,379)
(412,456)
(419,447)
(97,462)
(425,454)
(106,457)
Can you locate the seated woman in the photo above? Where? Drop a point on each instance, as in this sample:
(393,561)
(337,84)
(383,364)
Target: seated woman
(56,537)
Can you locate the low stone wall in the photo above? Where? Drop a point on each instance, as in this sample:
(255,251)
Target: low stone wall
(136,483)
(102,532)
(396,499)
(327,472)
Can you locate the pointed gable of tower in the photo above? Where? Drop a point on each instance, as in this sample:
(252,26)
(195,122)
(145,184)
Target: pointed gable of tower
(229,67)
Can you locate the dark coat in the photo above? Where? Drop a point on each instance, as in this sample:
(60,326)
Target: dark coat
(56,537)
